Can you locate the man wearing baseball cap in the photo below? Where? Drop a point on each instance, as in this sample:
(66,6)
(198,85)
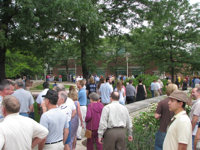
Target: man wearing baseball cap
(55,121)
(179,131)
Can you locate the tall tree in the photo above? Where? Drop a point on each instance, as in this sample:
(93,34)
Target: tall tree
(171,37)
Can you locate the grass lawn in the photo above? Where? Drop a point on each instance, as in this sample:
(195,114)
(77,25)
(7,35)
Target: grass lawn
(40,87)
(37,116)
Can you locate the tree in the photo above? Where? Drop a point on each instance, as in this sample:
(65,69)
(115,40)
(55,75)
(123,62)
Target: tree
(170,39)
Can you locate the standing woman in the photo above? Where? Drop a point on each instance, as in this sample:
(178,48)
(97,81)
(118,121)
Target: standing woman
(102,80)
(184,85)
(141,91)
(75,120)
(121,92)
(91,87)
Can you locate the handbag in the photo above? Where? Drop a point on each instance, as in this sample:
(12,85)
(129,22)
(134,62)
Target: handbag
(88,133)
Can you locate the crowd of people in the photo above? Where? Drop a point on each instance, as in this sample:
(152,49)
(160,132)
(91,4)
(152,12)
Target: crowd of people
(97,107)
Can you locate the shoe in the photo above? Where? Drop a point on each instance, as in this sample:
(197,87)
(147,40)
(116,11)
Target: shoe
(78,139)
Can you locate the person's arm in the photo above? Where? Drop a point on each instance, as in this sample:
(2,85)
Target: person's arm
(160,91)
(157,116)
(103,124)
(41,145)
(197,138)
(89,113)
(66,132)
(87,92)
(36,141)
(136,89)
(194,121)
(79,114)
(31,108)
(182,146)
(38,105)
(145,90)
(73,113)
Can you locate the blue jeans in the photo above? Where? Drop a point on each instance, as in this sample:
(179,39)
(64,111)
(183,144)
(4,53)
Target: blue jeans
(32,115)
(193,136)
(160,136)
(23,114)
(69,136)
(152,93)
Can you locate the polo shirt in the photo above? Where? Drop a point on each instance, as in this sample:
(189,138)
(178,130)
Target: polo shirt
(180,131)
(25,99)
(105,90)
(82,98)
(55,121)
(17,132)
(195,111)
(156,86)
(40,99)
(152,85)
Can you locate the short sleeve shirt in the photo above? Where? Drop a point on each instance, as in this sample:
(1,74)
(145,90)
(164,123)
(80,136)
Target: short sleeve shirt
(180,131)
(40,99)
(91,88)
(55,121)
(105,90)
(166,115)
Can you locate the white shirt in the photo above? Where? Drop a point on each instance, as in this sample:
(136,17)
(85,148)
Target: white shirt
(70,103)
(40,99)
(66,109)
(114,115)
(156,86)
(121,96)
(17,132)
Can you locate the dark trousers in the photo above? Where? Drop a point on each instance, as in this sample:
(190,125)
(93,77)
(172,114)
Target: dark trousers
(90,141)
(129,99)
(114,139)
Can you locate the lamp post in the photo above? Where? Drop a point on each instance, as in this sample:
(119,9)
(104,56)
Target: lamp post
(127,65)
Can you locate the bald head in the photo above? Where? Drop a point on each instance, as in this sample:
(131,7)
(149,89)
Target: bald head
(115,96)
(11,104)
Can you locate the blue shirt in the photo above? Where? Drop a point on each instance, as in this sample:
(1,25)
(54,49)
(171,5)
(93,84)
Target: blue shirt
(55,121)
(196,81)
(105,90)
(152,86)
(82,98)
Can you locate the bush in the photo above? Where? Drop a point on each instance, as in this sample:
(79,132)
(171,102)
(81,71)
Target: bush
(144,128)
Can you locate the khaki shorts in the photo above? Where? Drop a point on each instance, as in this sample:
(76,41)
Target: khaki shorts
(156,93)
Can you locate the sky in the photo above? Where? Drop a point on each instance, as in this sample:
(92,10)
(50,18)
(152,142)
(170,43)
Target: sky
(193,1)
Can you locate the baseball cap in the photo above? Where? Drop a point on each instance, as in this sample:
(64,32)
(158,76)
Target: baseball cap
(51,95)
(179,95)
(94,96)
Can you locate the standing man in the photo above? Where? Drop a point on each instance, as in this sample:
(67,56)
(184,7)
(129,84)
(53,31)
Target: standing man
(113,129)
(130,92)
(6,88)
(105,91)
(152,87)
(55,121)
(157,90)
(179,132)
(25,98)
(40,99)
(195,113)
(82,98)
(197,82)
(163,113)
(17,132)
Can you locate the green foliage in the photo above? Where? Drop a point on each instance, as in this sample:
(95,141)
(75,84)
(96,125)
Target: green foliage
(19,64)
(144,128)
(40,87)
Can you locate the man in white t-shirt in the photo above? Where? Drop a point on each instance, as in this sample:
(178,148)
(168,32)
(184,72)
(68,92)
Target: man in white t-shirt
(40,99)
(18,132)
(157,90)
(179,131)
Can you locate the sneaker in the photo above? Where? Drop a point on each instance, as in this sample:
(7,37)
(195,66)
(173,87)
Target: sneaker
(78,139)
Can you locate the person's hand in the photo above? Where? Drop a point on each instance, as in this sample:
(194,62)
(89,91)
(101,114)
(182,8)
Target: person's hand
(100,140)
(130,138)
(82,125)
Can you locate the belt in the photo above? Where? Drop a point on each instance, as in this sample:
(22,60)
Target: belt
(82,105)
(53,142)
(115,127)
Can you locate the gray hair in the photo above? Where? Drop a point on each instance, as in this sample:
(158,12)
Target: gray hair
(5,84)
(60,87)
(11,104)
(19,82)
(63,95)
(94,96)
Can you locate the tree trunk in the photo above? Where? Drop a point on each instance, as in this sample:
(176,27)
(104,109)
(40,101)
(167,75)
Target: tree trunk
(83,52)
(2,63)
(172,73)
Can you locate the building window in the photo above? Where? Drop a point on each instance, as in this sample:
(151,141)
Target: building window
(136,71)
